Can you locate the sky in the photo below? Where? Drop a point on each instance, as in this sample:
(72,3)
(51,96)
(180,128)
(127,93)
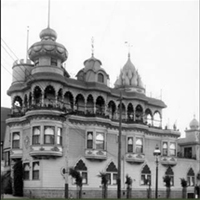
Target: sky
(164,39)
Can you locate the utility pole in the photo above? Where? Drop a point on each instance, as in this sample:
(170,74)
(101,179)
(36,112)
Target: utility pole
(119,149)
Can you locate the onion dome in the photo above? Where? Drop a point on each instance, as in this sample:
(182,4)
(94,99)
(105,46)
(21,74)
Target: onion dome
(48,33)
(48,47)
(129,76)
(194,124)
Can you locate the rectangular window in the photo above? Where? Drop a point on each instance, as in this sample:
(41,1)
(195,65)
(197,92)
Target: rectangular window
(112,178)
(84,177)
(49,135)
(36,135)
(16,140)
(190,181)
(145,179)
(130,145)
(165,149)
(26,171)
(36,171)
(139,145)
(172,149)
(100,141)
(59,136)
(109,178)
(188,152)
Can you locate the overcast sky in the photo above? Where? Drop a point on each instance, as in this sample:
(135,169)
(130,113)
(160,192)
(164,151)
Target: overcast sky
(164,36)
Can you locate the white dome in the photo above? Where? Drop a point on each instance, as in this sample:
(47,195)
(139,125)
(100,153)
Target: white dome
(194,124)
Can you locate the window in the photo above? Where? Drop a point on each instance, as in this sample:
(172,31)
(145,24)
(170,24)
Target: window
(26,171)
(172,149)
(100,141)
(188,152)
(170,173)
(81,167)
(36,170)
(16,139)
(139,145)
(53,62)
(191,177)
(36,135)
(165,148)
(146,176)
(89,140)
(49,132)
(100,78)
(7,158)
(59,136)
(111,173)
(130,145)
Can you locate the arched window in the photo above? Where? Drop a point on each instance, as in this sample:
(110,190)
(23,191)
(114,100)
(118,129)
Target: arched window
(191,177)
(59,136)
(145,176)
(172,149)
(89,140)
(49,133)
(81,167)
(36,135)
(16,140)
(100,141)
(100,78)
(165,148)
(169,172)
(157,119)
(111,173)
(130,144)
(36,170)
(139,145)
(26,171)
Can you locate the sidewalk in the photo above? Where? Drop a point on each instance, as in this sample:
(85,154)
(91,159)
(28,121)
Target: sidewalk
(10,196)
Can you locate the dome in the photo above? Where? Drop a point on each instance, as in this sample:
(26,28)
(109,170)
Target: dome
(194,124)
(48,33)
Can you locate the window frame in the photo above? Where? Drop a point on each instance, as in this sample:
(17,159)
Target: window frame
(51,137)
(34,172)
(141,146)
(170,150)
(111,175)
(36,136)
(165,149)
(59,138)
(26,174)
(131,149)
(191,179)
(16,142)
(100,78)
(146,176)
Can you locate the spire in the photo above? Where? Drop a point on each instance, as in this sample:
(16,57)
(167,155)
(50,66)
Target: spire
(129,49)
(48,13)
(92,45)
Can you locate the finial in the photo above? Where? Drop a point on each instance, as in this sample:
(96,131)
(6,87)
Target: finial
(129,48)
(48,13)
(27,43)
(194,116)
(92,45)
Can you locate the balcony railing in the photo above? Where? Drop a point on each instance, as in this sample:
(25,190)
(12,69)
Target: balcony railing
(168,160)
(95,154)
(135,158)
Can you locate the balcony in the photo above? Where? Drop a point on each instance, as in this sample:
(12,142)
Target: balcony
(94,154)
(134,158)
(168,161)
(46,151)
(16,153)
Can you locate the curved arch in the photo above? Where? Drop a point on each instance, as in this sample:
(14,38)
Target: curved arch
(90,104)
(69,101)
(30,99)
(37,94)
(17,102)
(49,96)
(60,98)
(157,119)
(100,105)
(123,111)
(139,113)
(25,101)
(80,103)
(111,109)
(149,117)
(130,112)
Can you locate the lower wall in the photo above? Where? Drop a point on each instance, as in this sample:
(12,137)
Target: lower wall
(45,193)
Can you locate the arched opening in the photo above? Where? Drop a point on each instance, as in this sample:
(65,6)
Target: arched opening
(25,101)
(68,101)
(157,119)
(123,111)
(17,105)
(49,96)
(90,105)
(148,116)
(111,109)
(80,103)
(130,112)
(139,113)
(37,96)
(100,106)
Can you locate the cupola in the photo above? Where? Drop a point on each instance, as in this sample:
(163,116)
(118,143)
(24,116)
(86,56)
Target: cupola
(129,78)
(194,124)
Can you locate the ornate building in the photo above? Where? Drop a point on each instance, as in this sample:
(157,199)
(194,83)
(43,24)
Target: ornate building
(59,122)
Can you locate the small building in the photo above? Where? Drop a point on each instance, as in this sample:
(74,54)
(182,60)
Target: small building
(58,122)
